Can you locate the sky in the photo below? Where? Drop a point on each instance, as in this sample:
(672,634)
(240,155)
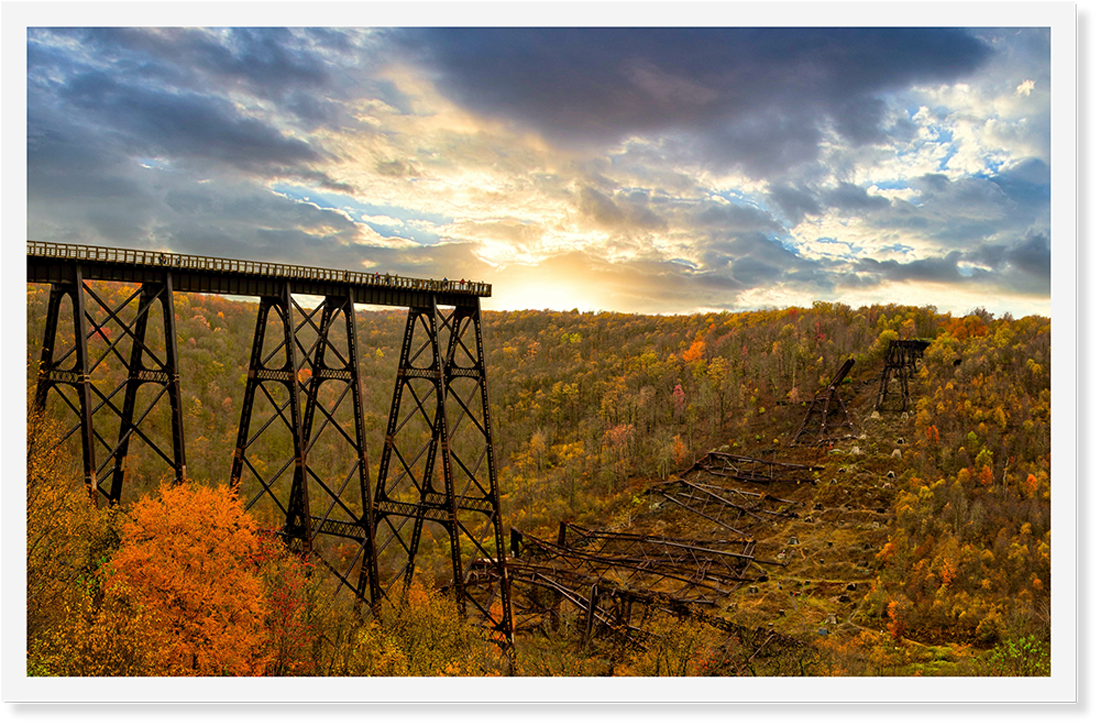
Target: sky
(648,170)
(759,155)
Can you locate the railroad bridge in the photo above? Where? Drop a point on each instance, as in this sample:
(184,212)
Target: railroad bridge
(302,392)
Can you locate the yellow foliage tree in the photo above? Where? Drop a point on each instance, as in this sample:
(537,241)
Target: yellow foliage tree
(423,635)
(74,626)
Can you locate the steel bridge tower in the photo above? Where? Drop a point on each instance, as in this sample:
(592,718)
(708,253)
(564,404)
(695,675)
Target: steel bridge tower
(899,365)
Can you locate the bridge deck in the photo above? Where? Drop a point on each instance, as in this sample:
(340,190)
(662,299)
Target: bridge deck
(49,262)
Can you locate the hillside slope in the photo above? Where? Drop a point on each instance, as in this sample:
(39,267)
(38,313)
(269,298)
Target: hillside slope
(927,525)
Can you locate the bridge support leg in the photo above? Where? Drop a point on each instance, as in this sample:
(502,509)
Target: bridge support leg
(95,341)
(163,374)
(437,484)
(304,466)
(898,365)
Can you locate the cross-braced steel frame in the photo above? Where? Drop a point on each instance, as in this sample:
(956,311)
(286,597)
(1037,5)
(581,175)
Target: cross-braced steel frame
(899,365)
(103,334)
(437,502)
(301,448)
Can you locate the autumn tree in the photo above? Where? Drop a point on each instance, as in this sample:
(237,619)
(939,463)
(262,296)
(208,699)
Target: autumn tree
(190,553)
(421,633)
(75,625)
(293,596)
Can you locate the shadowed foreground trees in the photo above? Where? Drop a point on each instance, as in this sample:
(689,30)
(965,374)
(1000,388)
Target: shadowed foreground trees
(76,626)
(184,583)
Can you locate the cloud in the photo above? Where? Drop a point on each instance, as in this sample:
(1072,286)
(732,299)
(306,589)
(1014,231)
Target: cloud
(1032,255)
(795,203)
(929,269)
(629,212)
(734,218)
(305,72)
(158,122)
(851,198)
(653,170)
(756,96)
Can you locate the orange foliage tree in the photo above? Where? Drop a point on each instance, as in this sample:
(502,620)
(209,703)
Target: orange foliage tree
(191,553)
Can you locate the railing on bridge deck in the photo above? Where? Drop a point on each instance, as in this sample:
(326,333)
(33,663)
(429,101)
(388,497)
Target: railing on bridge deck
(175,260)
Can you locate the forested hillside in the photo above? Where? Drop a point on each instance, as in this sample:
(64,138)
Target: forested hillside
(590,409)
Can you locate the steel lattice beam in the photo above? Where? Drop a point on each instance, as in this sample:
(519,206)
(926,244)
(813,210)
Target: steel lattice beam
(900,363)
(827,410)
(304,373)
(756,471)
(102,332)
(723,506)
(437,475)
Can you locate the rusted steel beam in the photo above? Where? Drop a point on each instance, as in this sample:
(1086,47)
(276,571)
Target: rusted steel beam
(698,512)
(630,569)
(764,496)
(711,495)
(830,408)
(749,469)
(583,536)
(841,374)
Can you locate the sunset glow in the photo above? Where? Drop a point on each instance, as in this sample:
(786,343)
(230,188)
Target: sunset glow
(647,170)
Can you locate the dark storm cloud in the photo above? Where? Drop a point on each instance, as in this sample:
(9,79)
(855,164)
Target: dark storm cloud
(988,255)
(161,122)
(795,203)
(621,211)
(851,198)
(1029,256)
(1027,183)
(756,94)
(1032,256)
(974,221)
(752,259)
(735,218)
(860,119)
(69,160)
(761,143)
(267,60)
(274,64)
(929,269)
(1020,268)
(1023,265)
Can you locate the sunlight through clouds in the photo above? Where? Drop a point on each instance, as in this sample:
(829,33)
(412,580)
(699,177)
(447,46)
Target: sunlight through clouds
(648,170)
